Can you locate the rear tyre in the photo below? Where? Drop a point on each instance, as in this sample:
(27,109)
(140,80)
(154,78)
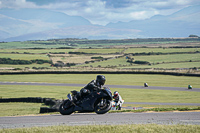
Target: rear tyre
(66,108)
(103,108)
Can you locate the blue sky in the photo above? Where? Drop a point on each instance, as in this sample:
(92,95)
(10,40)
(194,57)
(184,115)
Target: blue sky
(104,11)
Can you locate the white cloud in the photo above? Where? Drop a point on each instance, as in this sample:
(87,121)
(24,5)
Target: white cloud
(105,11)
(17,4)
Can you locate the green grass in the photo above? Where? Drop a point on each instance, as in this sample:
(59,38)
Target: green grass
(24,66)
(129,95)
(155,60)
(167,65)
(111,79)
(24,56)
(20,45)
(168,58)
(18,109)
(160,96)
(35,51)
(17,91)
(102,51)
(161,50)
(131,128)
(60,92)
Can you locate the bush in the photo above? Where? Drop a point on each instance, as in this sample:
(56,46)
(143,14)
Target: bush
(141,62)
(100,58)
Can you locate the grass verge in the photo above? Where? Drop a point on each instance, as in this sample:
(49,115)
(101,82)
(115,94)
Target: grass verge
(156,110)
(132,128)
(19,109)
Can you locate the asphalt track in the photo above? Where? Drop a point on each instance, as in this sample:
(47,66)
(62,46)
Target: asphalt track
(105,119)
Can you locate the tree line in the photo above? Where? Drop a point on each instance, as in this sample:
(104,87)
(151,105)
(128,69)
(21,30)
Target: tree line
(16,62)
(105,41)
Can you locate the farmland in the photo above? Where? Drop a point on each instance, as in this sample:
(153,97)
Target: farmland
(109,55)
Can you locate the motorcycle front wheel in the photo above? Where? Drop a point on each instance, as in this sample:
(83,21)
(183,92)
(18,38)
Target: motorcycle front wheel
(66,108)
(103,106)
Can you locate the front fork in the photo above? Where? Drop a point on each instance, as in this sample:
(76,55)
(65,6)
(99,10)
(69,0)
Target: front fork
(103,101)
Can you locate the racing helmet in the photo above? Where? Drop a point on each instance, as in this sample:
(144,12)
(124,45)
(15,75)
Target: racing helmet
(101,80)
(116,94)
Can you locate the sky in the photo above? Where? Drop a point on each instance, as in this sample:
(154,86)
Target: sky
(102,12)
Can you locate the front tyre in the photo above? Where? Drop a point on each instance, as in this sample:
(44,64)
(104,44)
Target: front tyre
(66,108)
(103,106)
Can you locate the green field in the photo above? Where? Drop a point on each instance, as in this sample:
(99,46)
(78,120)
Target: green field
(159,56)
(19,109)
(161,50)
(154,60)
(20,45)
(129,95)
(101,51)
(25,56)
(169,58)
(109,63)
(112,79)
(35,51)
(178,65)
(7,66)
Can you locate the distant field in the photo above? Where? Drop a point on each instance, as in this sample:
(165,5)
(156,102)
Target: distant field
(24,56)
(168,58)
(84,43)
(7,66)
(161,50)
(108,63)
(44,51)
(82,58)
(20,45)
(159,53)
(101,51)
(155,60)
(167,65)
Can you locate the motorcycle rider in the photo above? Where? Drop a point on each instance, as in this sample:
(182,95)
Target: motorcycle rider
(118,99)
(145,85)
(90,87)
(93,85)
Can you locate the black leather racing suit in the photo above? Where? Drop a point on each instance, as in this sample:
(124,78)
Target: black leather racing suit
(90,87)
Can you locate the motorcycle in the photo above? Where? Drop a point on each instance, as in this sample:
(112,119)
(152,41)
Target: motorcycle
(116,106)
(97,101)
(145,85)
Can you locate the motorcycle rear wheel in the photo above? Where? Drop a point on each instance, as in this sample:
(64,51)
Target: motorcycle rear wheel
(66,111)
(103,109)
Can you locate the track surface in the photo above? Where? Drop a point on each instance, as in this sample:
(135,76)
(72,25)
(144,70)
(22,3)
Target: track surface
(109,118)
